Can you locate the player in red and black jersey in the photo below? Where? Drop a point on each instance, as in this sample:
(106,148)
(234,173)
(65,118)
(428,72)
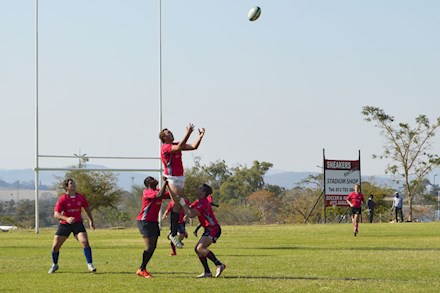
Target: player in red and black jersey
(147,221)
(68,210)
(202,209)
(171,156)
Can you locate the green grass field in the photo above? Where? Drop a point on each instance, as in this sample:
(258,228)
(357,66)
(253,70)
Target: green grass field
(400,257)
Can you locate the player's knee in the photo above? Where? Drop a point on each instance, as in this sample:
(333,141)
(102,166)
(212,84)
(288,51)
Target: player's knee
(198,250)
(151,248)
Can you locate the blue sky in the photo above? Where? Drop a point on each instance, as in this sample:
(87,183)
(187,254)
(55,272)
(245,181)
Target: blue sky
(279,89)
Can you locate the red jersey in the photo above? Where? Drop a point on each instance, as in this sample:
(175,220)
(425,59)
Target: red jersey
(150,206)
(172,162)
(70,206)
(206,214)
(182,214)
(356,199)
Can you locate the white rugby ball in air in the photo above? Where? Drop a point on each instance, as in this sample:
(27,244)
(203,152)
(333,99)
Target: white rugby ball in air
(254,13)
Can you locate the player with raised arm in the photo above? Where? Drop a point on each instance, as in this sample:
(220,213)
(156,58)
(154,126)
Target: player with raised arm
(171,156)
(147,221)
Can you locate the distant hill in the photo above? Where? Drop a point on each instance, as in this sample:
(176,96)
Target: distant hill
(286,179)
(9,178)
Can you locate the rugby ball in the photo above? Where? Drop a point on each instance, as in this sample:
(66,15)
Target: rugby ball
(254,13)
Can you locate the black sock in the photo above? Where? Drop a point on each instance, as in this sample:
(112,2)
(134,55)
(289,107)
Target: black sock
(212,257)
(204,262)
(146,256)
(174,222)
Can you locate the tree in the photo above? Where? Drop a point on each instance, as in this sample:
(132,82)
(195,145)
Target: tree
(194,177)
(23,218)
(100,188)
(267,203)
(243,182)
(408,149)
(217,172)
(381,206)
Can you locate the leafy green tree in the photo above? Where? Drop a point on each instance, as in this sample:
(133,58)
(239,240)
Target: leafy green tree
(23,217)
(381,206)
(99,187)
(243,182)
(194,177)
(217,173)
(407,148)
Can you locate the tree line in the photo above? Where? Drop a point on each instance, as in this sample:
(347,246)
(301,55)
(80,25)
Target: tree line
(241,193)
(243,196)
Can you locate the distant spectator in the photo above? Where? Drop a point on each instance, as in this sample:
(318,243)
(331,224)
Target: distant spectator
(370,205)
(397,206)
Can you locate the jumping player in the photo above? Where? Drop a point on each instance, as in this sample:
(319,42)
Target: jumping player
(355,200)
(68,210)
(147,221)
(202,209)
(171,155)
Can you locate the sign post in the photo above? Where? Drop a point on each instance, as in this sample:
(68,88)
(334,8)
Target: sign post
(340,176)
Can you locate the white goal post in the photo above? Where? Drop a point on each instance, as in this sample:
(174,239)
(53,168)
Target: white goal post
(38,168)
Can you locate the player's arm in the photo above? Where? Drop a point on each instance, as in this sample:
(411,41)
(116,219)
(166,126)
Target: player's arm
(89,216)
(189,212)
(195,145)
(162,190)
(182,144)
(349,202)
(167,211)
(59,216)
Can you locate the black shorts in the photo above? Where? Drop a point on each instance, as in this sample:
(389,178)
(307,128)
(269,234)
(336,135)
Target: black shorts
(181,228)
(355,211)
(148,229)
(213,232)
(66,229)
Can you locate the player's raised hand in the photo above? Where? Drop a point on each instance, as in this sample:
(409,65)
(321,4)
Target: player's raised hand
(190,128)
(201,132)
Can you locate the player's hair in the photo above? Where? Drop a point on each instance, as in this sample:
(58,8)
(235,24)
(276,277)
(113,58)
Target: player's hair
(206,189)
(66,183)
(148,181)
(162,135)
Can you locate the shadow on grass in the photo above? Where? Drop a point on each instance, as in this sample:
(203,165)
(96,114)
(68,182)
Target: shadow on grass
(349,248)
(297,278)
(125,273)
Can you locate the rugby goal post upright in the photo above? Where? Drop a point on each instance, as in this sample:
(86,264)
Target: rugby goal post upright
(37,167)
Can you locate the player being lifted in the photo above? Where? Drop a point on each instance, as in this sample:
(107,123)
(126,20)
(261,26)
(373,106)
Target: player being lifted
(171,156)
